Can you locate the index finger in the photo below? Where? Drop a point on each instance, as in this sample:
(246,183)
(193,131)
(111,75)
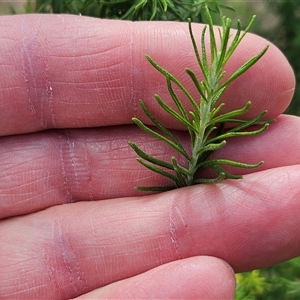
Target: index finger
(59,71)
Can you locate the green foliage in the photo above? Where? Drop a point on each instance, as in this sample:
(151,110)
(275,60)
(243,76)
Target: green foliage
(250,285)
(288,38)
(279,22)
(277,282)
(179,10)
(206,123)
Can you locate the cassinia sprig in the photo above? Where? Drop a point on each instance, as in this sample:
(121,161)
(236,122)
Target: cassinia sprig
(206,122)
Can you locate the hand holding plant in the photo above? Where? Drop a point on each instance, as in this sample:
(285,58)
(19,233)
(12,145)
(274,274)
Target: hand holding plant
(55,242)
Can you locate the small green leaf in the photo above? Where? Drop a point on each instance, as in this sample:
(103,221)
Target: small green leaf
(212,147)
(216,180)
(159,136)
(173,113)
(162,188)
(160,127)
(219,162)
(231,114)
(173,79)
(245,67)
(149,158)
(230,134)
(158,170)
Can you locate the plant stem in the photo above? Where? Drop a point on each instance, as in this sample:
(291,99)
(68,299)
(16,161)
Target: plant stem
(204,117)
(205,109)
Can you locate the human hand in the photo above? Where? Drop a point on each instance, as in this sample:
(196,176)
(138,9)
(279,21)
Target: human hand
(63,76)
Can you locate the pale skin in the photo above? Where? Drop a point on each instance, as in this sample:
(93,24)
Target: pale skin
(69,86)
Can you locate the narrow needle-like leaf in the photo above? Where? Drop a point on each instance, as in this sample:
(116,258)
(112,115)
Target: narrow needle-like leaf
(159,136)
(149,158)
(245,67)
(158,170)
(160,127)
(174,79)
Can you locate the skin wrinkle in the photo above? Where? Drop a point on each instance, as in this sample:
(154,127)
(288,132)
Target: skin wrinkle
(36,93)
(173,228)
(74,48)
(36,75)
(75,166)
(174,239)
(79,23)
(67,274)
(134,71)
(73,162)
(184,222)
(26,65)
(88,168)
(49,89)
(179,228)
(50,272)
(65,179)
(75,57)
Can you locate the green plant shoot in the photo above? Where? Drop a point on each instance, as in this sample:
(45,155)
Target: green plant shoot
(206,122)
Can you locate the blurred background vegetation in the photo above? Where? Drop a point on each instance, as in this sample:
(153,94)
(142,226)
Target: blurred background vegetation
(277,21)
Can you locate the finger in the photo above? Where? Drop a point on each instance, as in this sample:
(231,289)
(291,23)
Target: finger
(47,169)
(85,72)
(193,278)
(69,250)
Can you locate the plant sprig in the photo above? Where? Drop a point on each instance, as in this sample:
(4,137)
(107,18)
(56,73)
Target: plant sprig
(206,122)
